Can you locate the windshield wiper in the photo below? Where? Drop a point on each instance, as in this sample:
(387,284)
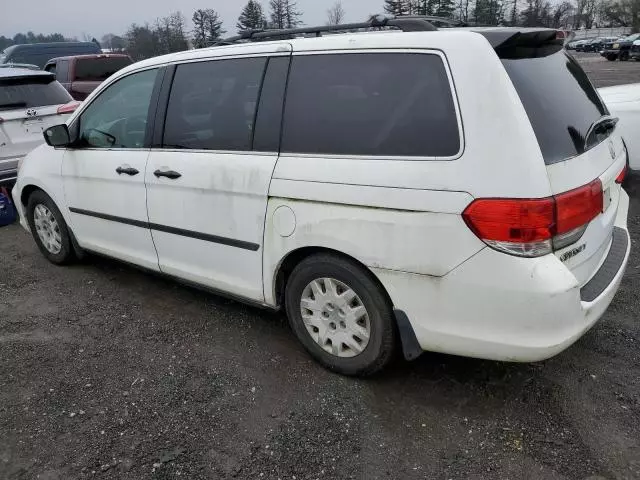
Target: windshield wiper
(604,124)
(6,106)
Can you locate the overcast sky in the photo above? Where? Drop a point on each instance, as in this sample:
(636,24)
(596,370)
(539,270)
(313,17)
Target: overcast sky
(74,18)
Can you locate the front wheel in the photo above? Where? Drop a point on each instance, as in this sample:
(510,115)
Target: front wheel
(341,315)
(49,229)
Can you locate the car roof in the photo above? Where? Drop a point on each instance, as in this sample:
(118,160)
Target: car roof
(22,72)
(91,56)
(35,46)
(341,41)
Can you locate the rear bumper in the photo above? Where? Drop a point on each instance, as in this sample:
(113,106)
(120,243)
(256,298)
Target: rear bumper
(9,170)
(608,52)
(500,307)
(8,177)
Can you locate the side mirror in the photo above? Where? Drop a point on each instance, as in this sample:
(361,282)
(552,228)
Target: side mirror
(57,136)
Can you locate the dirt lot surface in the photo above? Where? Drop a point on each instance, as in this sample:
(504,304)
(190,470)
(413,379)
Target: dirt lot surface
(107,372)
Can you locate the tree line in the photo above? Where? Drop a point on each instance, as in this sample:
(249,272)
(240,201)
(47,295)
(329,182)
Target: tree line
(29,37)
(169,34)
(570,14)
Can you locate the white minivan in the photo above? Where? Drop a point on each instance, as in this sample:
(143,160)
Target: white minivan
(453,190)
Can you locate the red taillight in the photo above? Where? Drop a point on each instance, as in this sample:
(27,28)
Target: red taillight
(578,207)
(511,220)
(68,107)
(527,227)
(619,179)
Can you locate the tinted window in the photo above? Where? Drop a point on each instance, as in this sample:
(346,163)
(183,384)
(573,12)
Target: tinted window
(117,118)
(370,104)
(560,101)
(212,104)
(31,92)
(99,69)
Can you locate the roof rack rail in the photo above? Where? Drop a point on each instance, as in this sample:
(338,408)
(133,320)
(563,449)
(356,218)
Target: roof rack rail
(406,24)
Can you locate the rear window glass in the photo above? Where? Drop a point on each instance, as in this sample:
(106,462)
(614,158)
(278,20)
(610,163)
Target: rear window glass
(560,101)
(31,92)
(383,104)
(98,69)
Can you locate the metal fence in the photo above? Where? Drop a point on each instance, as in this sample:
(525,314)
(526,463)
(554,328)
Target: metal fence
(602,32)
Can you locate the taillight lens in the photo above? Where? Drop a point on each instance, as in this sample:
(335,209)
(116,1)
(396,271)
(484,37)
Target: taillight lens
(68,107)
(534,227)
(622,175)
(578,207)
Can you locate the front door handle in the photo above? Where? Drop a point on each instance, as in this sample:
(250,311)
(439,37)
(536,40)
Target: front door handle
(167,173)
(126,170)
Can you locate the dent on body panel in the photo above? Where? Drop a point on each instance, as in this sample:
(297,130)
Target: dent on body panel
(419,242)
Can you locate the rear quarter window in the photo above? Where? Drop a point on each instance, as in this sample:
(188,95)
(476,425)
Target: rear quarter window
(373,104)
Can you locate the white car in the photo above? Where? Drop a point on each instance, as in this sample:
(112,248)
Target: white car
(455,191)
(30,102)
(623,101)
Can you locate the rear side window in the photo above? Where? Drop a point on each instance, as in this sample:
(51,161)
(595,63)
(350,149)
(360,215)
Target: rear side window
(212,104)
(560,101)
(98,69)
(31,92)
(387,104)
(62,71)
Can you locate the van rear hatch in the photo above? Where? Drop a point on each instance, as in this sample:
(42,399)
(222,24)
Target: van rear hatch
(583,153)
(29,103)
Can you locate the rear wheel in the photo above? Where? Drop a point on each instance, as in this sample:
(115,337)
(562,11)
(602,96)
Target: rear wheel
(341,315)
(624,56)
(611,58)
(49,229)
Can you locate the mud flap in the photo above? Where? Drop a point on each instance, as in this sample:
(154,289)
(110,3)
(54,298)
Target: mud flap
(410,346)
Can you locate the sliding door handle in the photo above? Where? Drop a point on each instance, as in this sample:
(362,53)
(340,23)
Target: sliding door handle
(127,171)
(167,173)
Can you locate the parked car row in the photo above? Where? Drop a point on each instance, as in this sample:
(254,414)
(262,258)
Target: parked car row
(32,99)
(620,49)
(589,44)
(612,48)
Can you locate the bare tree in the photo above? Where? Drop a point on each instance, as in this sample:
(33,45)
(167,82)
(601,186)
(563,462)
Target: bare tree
(284,14)
(336,14)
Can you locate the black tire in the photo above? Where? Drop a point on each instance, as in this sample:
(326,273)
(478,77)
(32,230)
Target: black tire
(612,58)
(382,340)
(66,253)
(624,56)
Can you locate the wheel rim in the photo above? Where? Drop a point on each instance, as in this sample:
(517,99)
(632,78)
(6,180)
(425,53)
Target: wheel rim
(335,317)
(47,229)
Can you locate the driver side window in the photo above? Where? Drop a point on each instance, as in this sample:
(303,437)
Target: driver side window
(117,118)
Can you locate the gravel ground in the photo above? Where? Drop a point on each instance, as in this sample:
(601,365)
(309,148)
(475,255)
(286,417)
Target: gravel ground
(111,373)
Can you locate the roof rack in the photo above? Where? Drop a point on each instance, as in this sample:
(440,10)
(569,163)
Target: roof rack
(405,24)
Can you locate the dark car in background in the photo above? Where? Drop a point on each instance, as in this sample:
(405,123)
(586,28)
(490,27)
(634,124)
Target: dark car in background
(620,48)
(81,74)
(634,53)
(40,53)
(597,44)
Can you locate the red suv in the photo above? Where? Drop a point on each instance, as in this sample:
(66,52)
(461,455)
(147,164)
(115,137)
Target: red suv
(81,74)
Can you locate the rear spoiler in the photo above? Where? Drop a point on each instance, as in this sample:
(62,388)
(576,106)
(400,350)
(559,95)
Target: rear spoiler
(505,41)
